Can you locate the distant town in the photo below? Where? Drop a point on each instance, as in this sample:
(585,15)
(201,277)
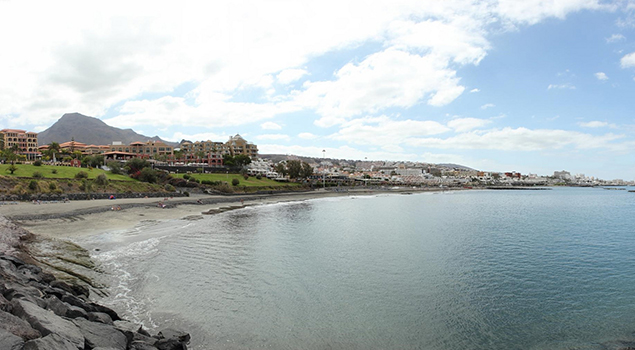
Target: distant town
(213,156)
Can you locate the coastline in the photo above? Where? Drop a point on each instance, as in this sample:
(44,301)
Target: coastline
(84,218)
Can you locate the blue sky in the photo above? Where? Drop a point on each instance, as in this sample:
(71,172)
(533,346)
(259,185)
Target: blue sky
(532,86)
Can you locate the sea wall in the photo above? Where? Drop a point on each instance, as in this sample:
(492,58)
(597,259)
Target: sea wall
(40,312)
(86,196)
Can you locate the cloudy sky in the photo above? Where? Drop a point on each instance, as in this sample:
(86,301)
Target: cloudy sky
(532,86)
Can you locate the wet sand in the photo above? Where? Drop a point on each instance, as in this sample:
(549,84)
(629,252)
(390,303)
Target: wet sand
(80,218)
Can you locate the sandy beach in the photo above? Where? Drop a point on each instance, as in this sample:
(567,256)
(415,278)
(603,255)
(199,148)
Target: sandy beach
(79,218)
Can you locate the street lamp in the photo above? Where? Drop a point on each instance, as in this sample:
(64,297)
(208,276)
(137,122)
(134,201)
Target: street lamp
(323,171)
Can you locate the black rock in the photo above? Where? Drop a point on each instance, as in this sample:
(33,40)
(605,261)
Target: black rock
(17,326)
(50,342)
(10,341)
(101,335)
(47,322)
(100,317)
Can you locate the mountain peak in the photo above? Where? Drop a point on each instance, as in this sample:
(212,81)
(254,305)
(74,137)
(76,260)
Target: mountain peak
(88,130)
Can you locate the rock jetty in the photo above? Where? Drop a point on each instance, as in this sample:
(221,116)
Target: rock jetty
(40,312)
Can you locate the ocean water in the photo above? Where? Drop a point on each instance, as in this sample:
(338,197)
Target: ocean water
(444,271)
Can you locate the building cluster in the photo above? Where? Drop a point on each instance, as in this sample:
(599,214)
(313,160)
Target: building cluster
(425,174)
(24,142)
(208,153)
(211,153)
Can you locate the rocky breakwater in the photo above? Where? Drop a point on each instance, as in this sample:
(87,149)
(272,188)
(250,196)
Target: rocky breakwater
(40,312)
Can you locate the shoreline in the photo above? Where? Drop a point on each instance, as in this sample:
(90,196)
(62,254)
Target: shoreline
(74,219)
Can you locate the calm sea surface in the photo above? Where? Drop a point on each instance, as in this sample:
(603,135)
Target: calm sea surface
(456,270)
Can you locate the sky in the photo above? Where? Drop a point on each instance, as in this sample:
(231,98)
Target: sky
(533,86)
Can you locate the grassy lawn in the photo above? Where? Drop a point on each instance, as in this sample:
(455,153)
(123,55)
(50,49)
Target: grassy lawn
(251,182)
(63,172)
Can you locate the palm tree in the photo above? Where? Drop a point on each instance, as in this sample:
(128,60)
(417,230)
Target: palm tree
(54,148)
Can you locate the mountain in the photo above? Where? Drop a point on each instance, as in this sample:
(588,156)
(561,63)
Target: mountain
(91,131)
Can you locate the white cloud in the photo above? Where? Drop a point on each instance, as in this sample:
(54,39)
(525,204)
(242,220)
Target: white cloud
(615,38)
(343,152)
(467,124)
(534,11)
(488,105)
(288,76)
(474,90)
(273,137)
(596,124)
(461,39)
(601,76)
(384,131)
(391,78)
(270,126)
(566,86)
(628,61)
(519,139)
(593,124)
(178,136)
(307,136)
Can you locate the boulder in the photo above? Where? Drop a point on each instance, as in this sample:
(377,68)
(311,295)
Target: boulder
(50,342)
(131,330)
(17,326)
(5,305)
(170,344)
(139,345)
(47,322)
(100,317)
(101,335)
(76,312)
(10,341)
(172,339)
(170,333)
(59,307)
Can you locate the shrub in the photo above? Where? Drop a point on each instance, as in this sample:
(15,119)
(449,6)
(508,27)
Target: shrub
(186,177)
(85,186)
(37,163)
(38,175)
(246,177)
(186,193)
(169,188)
(33,185)
(235,182)
(17,189)
(101,180)
(147,175)
(69,184)
(115,167)
(81,175)
(54,171)
(258,176)
(52,186)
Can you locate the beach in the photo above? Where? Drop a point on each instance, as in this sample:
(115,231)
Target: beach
(68,220)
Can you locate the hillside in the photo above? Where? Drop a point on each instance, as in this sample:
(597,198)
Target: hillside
(89,130)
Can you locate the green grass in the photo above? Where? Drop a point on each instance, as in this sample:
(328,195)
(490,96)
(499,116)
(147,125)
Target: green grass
(251,182)
(63,172)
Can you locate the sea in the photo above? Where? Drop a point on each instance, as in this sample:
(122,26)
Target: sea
(473,269)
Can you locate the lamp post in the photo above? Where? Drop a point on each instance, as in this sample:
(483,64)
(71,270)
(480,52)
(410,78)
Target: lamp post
(323,171)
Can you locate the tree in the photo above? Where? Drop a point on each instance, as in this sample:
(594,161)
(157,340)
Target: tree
(135,165)
(307,170)
(294,167)
(280,168)
(148,175)
(115,167)
(10,155)
(228,160)
(54,148)
(241,160)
